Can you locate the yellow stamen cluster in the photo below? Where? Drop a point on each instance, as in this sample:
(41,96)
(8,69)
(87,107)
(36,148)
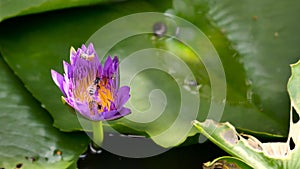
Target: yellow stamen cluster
(86,91)
(105,95)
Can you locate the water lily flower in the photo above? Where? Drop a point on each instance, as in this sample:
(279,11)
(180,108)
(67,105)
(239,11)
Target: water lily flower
(90,88)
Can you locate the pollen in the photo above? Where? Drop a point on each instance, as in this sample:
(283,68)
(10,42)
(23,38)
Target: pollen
(99,95)
(105,95)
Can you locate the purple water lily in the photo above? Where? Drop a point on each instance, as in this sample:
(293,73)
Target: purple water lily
(92,90)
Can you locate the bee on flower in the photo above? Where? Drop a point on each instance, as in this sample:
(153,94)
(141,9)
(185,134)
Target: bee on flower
(90,88)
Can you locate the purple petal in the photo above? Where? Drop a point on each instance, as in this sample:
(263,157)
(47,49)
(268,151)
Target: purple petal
(107,66)
(123,96)
(58,80)
(115,71)
(68,86)
(124,111)
(73,56)
(90,49)
(113,106)
(112,72)
(115,64)
(68,101)
(67,69)
(99,71)
(83,48)
(97,117)
(77,55)
(83,109)
(96,61)
(107,62)
(113,115)
(109,115)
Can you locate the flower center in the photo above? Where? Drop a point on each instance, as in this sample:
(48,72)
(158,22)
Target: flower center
(101,93)
(105,95)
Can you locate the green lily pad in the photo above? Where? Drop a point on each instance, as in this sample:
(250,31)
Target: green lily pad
(28,139)
(12,8)
(264,33)
(260,42)
(263,155)
(253,152)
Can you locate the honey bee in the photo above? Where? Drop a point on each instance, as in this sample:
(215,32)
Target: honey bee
(96,81)
(92,88)
(87,57)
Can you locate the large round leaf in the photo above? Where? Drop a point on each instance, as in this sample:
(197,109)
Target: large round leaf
(28,139)
(12,8)
(266,35)
(261,42)
(263,155)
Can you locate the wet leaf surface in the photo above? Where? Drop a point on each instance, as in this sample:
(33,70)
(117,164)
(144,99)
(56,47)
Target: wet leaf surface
(12,8)
(28,139)
(254,55)
(263,155)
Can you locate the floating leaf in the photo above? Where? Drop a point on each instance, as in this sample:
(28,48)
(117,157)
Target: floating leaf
(28,139)
(256,46)
(253,152)
(12,8)
(266,41)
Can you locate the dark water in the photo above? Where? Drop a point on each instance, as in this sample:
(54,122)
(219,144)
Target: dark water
(184,157)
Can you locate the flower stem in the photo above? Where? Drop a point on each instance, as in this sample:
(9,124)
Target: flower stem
(97,134)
